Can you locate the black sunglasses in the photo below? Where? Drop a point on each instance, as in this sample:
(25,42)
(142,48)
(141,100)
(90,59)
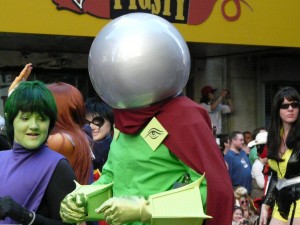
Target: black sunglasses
(98,121)
(287,105)
(244,202)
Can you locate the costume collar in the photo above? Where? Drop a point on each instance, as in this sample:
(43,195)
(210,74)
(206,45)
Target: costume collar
(131,121)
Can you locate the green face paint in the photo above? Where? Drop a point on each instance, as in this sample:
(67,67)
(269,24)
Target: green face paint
(30,129)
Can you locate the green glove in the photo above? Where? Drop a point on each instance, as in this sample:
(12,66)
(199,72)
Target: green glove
(72,206)
(120,210)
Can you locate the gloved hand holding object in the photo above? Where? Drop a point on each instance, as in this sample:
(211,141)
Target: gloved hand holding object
(10,208)
(80,204)
(72,206)
(120,210)
(182,205)
(179,205)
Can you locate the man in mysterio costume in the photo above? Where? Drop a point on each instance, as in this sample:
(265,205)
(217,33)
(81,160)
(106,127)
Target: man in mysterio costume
(139,64)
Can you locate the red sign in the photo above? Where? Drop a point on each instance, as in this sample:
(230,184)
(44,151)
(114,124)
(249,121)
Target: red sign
(180,11)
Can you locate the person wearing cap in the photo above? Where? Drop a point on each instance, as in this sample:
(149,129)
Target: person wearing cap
(214,105)
(258,179)
(253,151)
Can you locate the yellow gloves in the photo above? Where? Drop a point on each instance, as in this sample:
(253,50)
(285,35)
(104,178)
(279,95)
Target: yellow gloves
(22,77)
(72,206)
(120,210)
(116,210)
(80,204)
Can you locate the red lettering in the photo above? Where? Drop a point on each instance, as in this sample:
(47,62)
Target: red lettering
(198,10)
(99,8)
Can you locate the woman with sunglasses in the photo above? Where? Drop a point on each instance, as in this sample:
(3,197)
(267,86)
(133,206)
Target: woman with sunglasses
(245,202)
(99,121)
(284,160)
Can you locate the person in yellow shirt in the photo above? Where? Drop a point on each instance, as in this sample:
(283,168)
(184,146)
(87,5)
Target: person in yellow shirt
(284,160)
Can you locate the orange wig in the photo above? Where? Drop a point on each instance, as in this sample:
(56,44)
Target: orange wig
(70,120)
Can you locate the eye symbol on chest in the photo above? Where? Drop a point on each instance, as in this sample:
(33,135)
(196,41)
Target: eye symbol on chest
(154,133)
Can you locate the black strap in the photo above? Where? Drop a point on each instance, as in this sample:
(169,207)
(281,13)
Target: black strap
(296,197)
(293,213)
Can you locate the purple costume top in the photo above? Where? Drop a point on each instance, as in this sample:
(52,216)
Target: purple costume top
(25,175)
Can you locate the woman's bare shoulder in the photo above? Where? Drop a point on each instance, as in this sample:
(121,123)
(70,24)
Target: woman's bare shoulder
(60,143)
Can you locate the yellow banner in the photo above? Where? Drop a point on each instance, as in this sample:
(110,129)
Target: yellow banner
(249,22)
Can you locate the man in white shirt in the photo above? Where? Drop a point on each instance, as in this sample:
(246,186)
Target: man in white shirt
(214,105)
(258,178)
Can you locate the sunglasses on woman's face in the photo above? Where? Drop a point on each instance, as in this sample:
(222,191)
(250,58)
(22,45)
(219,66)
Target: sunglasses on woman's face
(244,202)
(97,121)
(287,105)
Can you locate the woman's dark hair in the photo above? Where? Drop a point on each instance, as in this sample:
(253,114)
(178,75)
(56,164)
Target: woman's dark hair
(29,96)
(256,131)
(236,207)
(223,140)
(274,135)
(97,107)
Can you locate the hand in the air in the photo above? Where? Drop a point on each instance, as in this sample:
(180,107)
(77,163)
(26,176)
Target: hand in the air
(120,210)
(22,77)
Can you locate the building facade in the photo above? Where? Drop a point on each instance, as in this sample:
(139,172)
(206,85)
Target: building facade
(249,47)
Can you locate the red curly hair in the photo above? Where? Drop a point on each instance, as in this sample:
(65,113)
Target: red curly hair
(70,120)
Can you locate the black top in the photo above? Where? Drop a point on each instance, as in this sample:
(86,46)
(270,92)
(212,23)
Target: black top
(60,184)
(4,144)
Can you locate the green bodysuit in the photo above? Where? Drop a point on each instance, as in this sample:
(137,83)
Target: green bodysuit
(137,170)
